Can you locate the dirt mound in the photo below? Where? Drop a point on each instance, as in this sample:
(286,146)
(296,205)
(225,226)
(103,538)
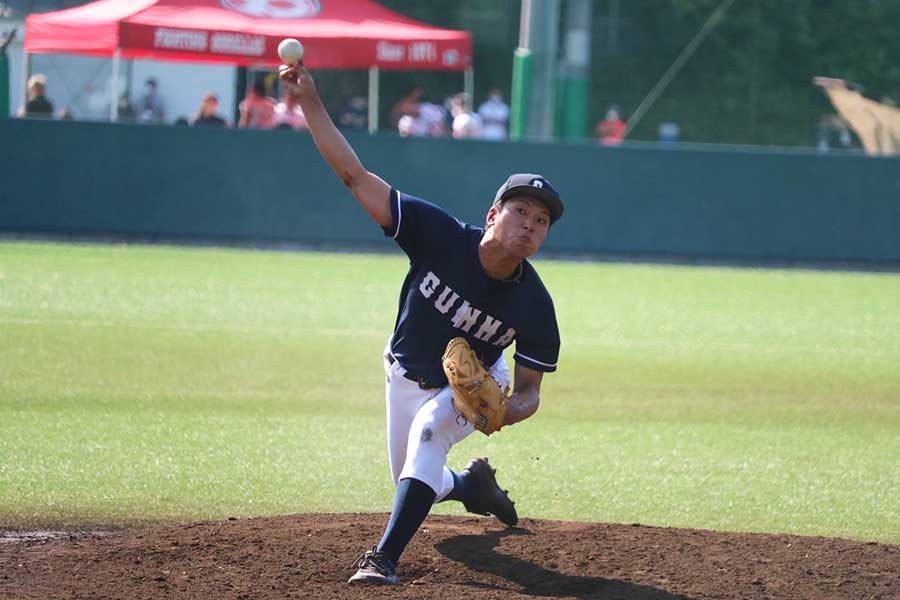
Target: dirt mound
(310,556)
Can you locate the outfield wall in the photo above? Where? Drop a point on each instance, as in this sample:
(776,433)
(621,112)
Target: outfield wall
(85,179)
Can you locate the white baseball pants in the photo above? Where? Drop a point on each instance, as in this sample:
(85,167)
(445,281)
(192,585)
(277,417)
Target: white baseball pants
(422,426)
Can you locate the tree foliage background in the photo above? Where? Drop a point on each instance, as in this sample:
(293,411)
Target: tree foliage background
(750,82)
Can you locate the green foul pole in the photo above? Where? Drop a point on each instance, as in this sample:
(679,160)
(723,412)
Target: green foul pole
(574,109)
(520,97)
(575,73)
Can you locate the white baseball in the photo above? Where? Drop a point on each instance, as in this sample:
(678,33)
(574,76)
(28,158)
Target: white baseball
(290,51)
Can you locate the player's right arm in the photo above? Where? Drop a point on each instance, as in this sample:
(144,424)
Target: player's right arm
(526,395)
(372,192)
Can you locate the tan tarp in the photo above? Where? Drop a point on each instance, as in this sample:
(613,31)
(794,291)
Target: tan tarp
(876,125)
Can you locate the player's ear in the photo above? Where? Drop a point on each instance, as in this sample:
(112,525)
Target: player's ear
(491,216)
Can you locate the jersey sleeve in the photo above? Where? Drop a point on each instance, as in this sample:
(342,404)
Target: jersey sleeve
(420,228)
(537,348)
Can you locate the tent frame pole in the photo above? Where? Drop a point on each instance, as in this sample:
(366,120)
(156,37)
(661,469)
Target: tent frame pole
(26,75)
(373,99)
(469,87)
(114,86)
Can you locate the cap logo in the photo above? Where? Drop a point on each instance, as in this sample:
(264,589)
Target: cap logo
(537,183)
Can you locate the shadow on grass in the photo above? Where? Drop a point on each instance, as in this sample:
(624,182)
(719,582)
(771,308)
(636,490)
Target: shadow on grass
(478,552)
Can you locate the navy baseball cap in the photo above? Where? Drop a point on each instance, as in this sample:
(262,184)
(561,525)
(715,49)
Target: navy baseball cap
(534,185)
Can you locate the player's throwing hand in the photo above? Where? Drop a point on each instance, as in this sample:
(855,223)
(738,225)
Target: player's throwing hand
(297,79)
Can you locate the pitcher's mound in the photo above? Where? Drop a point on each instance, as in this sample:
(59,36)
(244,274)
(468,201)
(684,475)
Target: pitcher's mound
(310,556)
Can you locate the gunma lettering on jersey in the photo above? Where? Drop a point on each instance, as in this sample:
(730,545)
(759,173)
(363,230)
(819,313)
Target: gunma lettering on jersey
(466,316)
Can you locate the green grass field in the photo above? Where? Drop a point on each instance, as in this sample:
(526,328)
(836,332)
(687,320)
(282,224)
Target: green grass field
(142,384)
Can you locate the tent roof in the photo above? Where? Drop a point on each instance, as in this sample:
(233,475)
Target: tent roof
(338,34)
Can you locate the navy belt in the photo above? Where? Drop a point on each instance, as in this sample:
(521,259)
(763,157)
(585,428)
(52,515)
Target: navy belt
(424,383)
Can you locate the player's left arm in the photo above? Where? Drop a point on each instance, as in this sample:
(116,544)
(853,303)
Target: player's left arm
(526,395)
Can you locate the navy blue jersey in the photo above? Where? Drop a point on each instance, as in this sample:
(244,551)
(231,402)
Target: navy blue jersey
(447,294)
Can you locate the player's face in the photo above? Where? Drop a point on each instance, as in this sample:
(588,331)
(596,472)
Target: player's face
(520,225)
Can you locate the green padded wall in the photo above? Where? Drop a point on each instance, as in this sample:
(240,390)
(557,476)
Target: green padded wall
(61,178)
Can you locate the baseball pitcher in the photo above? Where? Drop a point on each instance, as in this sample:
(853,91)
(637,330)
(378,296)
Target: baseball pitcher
(470,293)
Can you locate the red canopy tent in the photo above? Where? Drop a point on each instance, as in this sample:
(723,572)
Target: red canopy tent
(337,34)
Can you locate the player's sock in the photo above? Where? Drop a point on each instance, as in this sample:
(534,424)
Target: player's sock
(412,502)
(458,492)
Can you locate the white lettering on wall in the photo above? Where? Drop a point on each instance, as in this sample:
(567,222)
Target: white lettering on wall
(180,39)
(422,52)
(388,52)
(238,43)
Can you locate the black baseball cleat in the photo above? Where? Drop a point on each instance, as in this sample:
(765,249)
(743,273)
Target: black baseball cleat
(374,567)
(486,497)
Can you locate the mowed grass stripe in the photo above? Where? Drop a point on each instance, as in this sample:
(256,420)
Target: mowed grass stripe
(143,383)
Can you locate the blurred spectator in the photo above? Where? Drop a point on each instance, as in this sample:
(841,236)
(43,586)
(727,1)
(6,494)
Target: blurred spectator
(151,108)
(433,119)
(494,114)
(466,124)
(66,114)
(37,106)
(208,113)
(407,127)
(257,109)
(430,120)
(832,131)
(126,110)
(407,106)
(611,130)
(355,114)
(288,113)
(667,132)
(182,121)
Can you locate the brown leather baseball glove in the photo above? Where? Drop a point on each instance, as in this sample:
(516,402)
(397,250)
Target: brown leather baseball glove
(476,394)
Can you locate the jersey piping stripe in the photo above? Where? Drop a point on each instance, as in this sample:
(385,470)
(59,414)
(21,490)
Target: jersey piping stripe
(537,362)
(399,215)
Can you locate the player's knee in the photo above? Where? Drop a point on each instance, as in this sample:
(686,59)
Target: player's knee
(432,427)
